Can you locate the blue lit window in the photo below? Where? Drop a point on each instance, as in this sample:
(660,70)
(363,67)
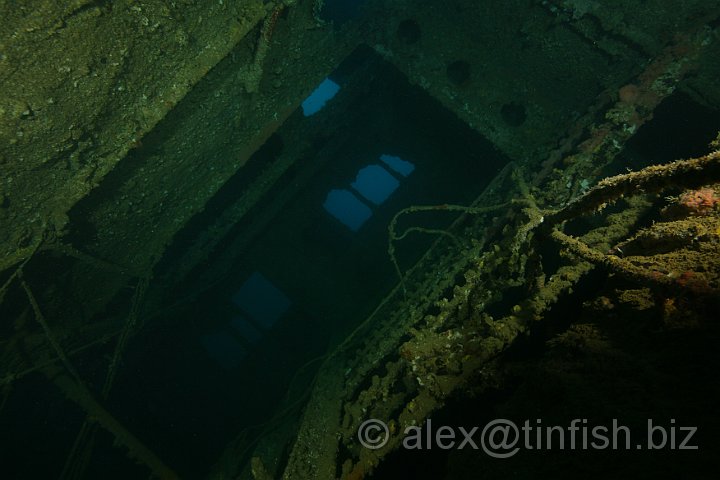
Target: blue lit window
(375,183)
(345,206)
(260,299)
(319,97)
(397,164)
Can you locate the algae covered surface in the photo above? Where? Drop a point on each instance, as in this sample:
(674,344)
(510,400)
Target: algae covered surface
(82,83)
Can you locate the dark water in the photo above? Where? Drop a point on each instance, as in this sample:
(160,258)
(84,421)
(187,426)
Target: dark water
(326,276)
(305,279)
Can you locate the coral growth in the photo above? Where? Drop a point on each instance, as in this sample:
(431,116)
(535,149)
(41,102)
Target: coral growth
(699,202)
(629,93)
